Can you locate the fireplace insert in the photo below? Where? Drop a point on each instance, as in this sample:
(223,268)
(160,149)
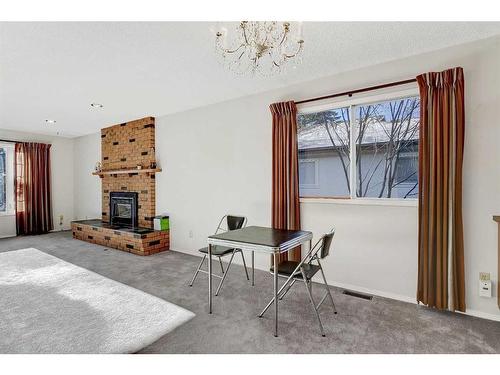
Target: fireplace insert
(123,208)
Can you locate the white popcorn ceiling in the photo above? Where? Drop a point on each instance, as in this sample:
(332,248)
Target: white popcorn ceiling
(56,70)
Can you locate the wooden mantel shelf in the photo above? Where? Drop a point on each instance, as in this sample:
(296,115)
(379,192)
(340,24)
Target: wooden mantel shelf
(125,171)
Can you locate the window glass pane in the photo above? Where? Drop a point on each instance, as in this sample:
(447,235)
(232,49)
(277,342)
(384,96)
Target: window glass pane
(387,149)
(324,137)
(307,172)
(3,176)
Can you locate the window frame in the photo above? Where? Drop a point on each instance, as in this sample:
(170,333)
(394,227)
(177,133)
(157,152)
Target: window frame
(9,163)
(352,103)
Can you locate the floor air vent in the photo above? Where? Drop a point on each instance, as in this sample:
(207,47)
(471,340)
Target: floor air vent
(358,295)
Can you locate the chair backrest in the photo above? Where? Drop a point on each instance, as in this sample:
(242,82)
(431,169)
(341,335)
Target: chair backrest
(327,242)
(235,222)
(321,249)
(230,222)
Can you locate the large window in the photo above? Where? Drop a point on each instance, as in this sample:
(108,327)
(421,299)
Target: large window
(6,178)
(362,149)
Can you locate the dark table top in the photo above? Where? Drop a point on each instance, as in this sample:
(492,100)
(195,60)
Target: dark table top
(261,236)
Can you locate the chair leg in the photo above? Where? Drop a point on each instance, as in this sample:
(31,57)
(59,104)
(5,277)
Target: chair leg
(225,274)
(244,264)
(197,270)
(327,288)
(312,302)
(286,290)
(272,300)
(221,266)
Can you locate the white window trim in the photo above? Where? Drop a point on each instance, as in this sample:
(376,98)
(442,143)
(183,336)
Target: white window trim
(9,161)
(351,103)
(409,202)
(316,174)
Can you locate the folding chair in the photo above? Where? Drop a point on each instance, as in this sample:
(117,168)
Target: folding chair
(231,223)
(305,270)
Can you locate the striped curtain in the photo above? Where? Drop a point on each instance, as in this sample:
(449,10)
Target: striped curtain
(285,198)
(32,186)
(441,279)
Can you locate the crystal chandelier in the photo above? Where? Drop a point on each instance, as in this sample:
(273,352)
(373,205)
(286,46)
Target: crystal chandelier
(263,47)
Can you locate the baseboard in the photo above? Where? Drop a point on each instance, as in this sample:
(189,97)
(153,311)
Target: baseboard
(398,297)
(482,315)
(52,231)
(8,236)
(373,292)
(60,230)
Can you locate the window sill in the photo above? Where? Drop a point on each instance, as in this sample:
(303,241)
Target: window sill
(8,213)
(362,201)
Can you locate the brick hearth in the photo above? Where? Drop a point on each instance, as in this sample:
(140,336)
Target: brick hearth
(137,241)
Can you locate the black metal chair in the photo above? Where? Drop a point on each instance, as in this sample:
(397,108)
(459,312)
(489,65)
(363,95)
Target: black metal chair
(231,223)
(305,270)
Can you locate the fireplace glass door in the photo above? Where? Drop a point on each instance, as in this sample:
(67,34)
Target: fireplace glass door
(123,209)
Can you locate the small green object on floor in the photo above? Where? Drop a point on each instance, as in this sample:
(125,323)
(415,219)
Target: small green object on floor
(162,222)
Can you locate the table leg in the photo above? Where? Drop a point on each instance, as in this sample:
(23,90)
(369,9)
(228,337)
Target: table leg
(209,278)
(253,268)
(276,256)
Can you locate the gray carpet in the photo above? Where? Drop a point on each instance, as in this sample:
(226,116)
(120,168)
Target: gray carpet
(51,306)
(377,326)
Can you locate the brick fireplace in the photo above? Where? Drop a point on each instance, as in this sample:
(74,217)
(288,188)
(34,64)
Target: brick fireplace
(124,147)
(128,168)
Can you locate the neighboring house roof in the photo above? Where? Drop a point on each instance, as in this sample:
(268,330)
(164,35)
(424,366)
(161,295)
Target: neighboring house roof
(365,146)
(316,136)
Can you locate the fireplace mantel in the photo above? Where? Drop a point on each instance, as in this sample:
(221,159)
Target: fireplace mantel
(126,171)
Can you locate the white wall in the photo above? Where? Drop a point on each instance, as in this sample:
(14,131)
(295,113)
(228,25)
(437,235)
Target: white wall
(87,192)
(217,159)
(61,154)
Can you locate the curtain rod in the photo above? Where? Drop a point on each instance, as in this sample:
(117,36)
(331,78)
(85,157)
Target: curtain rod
(14,141)
(350,93)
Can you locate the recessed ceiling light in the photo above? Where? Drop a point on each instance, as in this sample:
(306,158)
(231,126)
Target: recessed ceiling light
(50,121)
(96,105)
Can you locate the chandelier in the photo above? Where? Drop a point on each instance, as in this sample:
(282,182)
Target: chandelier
(263,47)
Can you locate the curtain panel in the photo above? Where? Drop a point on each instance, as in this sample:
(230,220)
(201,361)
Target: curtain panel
(32,187)
(441,279)
(285,178)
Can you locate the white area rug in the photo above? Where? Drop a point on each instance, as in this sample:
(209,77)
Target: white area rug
(50,306)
